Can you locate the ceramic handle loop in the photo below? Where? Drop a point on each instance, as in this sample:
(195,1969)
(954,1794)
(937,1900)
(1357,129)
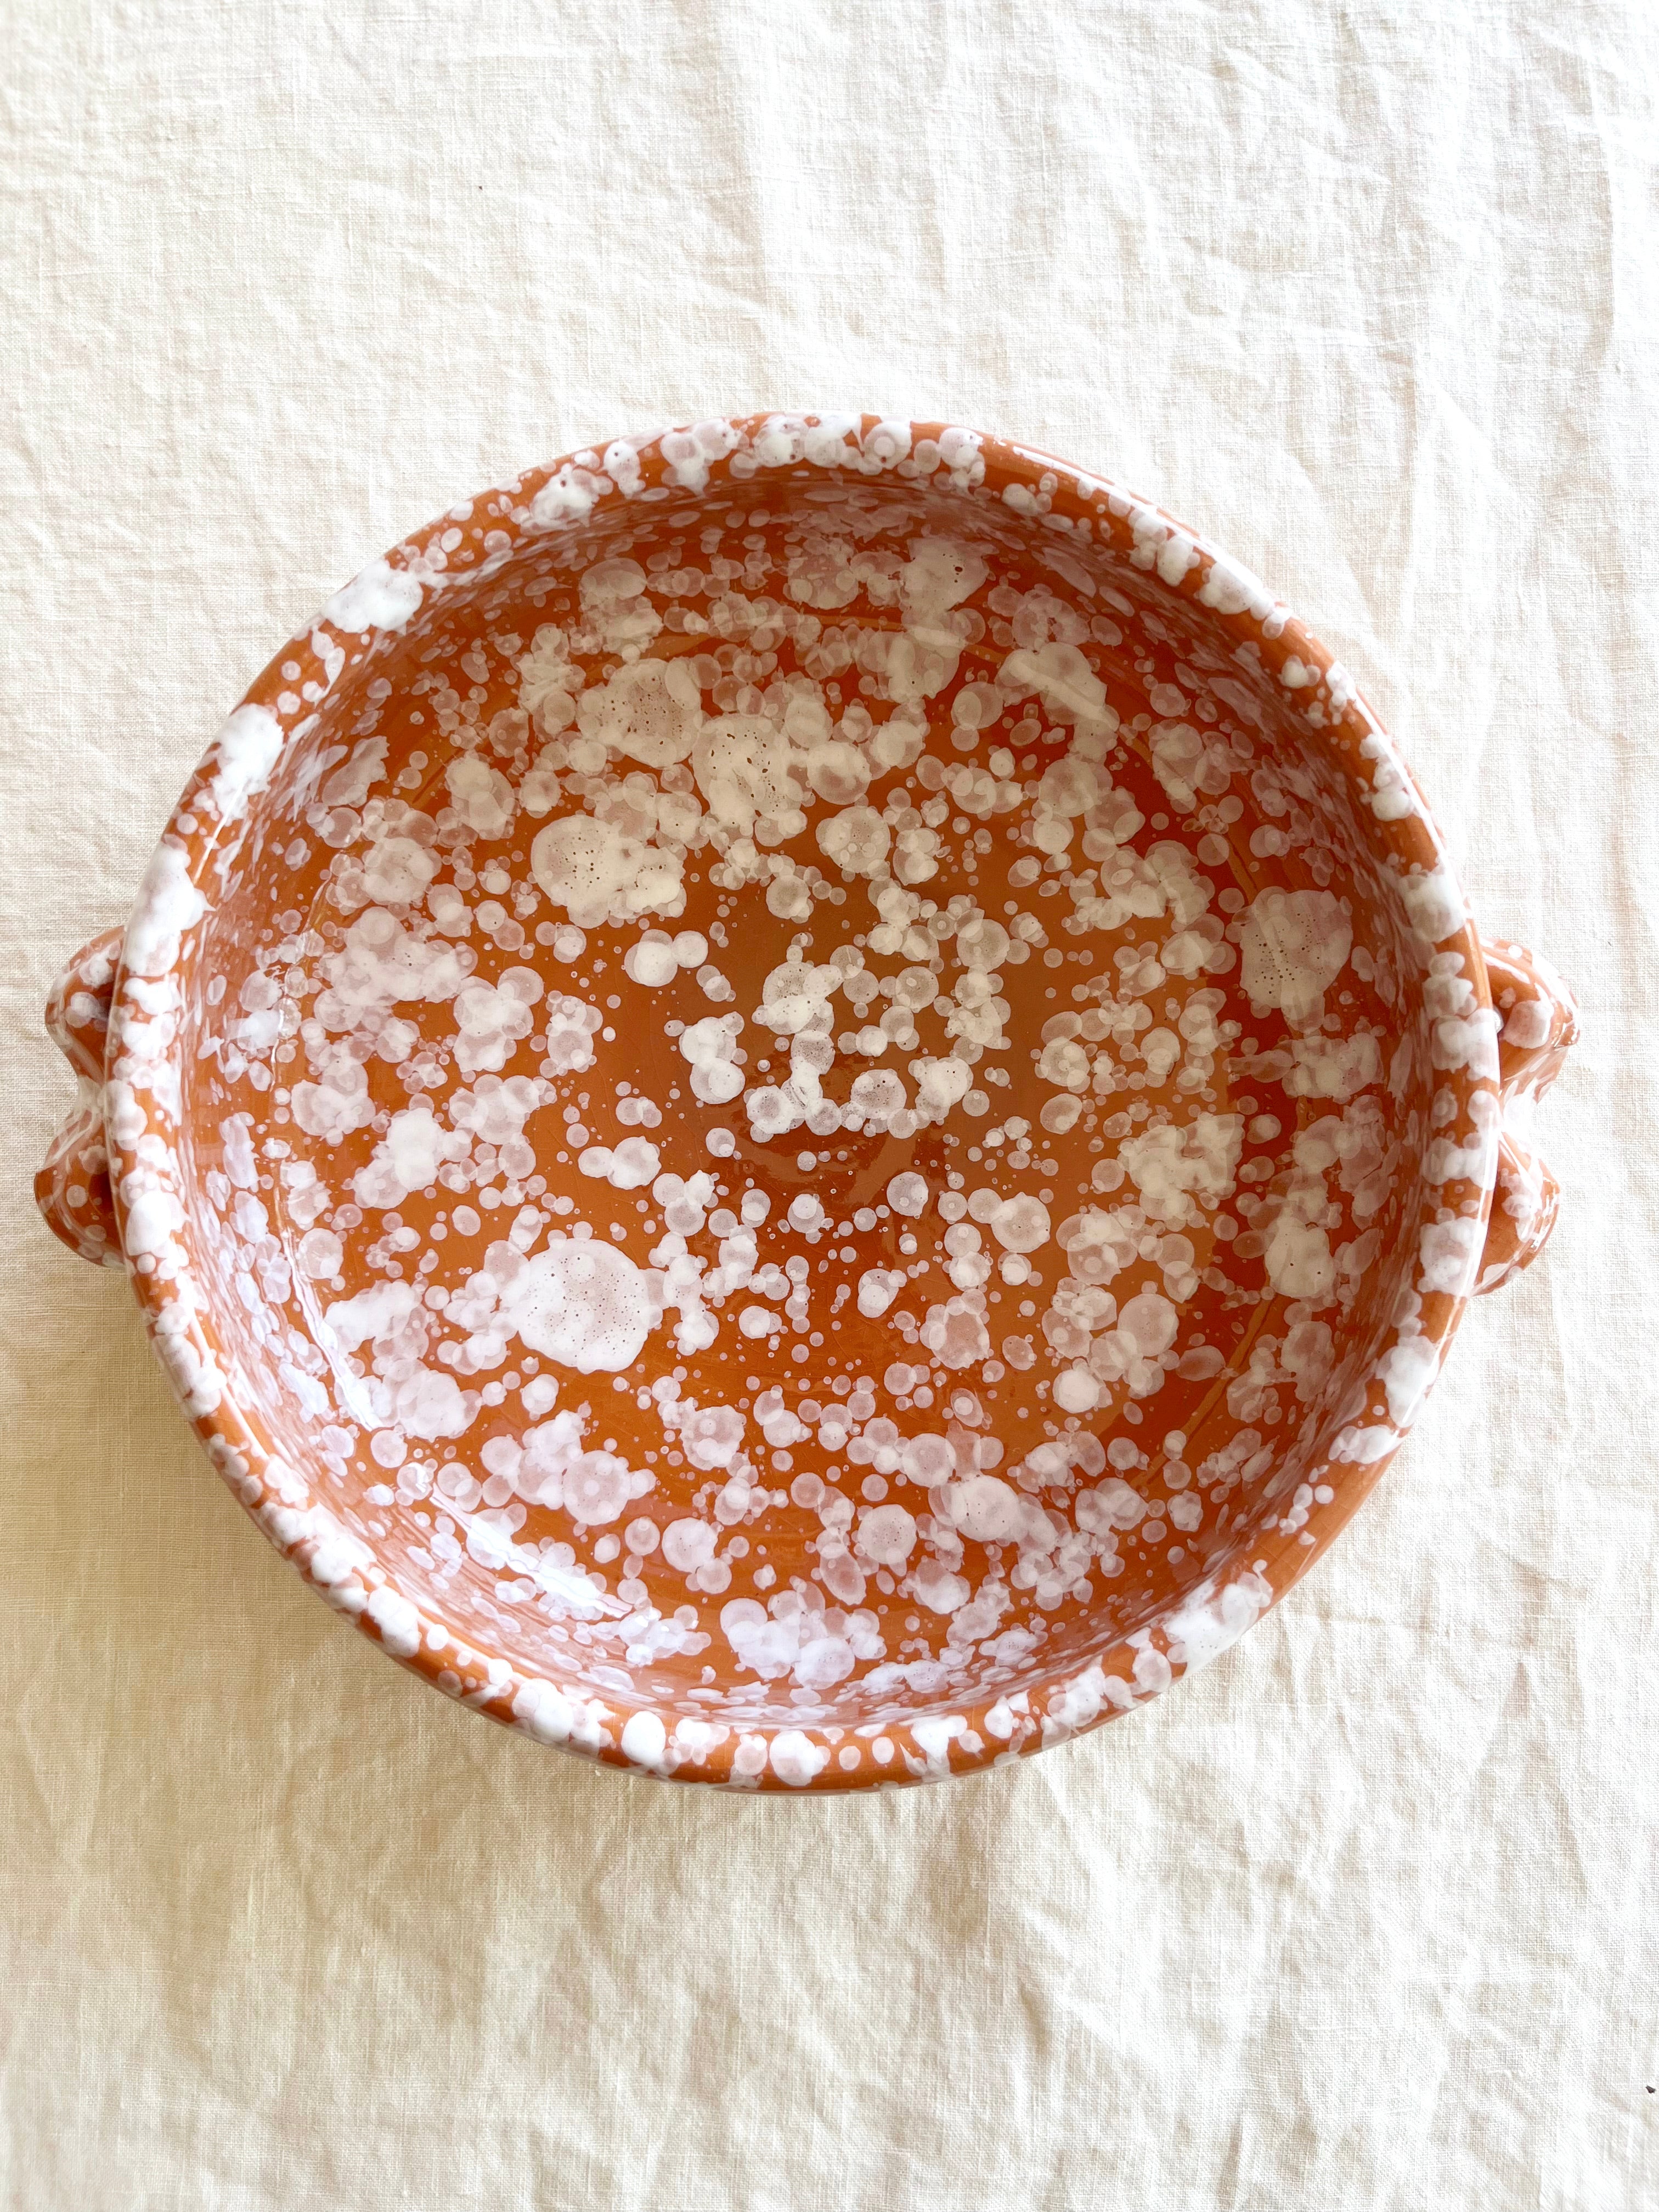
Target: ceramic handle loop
(71,1188)
(1540,1022)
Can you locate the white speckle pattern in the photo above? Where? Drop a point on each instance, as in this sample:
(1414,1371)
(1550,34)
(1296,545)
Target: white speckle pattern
(772,1067)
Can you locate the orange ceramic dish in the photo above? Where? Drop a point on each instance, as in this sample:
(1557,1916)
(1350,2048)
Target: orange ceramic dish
(802,1104)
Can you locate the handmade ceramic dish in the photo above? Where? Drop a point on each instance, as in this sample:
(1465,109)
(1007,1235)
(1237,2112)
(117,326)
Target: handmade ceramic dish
(802,1104)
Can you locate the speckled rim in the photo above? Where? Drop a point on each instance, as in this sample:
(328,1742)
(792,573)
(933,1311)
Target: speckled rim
(481,537)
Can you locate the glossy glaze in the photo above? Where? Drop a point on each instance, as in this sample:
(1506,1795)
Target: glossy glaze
(806,1102)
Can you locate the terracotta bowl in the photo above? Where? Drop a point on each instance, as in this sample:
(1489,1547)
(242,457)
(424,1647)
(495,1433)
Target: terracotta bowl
(802,1104)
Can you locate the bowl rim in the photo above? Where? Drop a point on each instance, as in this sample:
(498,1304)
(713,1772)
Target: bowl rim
(470,542)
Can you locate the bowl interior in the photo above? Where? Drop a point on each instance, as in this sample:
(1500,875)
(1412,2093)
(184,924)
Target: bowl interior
(801,1100)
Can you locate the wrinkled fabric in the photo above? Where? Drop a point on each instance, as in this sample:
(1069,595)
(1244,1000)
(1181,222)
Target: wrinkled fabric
(1363,1917)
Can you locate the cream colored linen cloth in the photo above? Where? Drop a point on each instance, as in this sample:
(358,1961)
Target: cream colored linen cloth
(1368,1915)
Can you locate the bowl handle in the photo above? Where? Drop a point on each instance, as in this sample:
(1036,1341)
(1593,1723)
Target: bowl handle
(71,1188)
(1539,1021)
